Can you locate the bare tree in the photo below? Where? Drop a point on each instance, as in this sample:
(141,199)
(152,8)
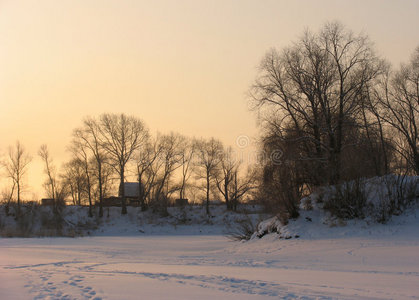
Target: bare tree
(89,137)
(16,166)
(229,182)
(147,166)
(7,197)
(170,158)
(79,150)
(313,90)
(74,178)
(187,151)
(226,174)
(121,136)
(208,158)
(399,103)
(50,171)
(375,131)
(156,163)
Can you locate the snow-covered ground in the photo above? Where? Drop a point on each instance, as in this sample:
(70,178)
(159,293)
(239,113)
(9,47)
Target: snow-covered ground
(187,255)
(37,221)
(364,266)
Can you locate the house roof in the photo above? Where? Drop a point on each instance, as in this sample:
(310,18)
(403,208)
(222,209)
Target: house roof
(131,189)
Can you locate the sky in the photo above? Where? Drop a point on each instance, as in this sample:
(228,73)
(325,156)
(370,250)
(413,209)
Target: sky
(184,66)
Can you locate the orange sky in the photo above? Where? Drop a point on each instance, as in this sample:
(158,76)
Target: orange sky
(181,66)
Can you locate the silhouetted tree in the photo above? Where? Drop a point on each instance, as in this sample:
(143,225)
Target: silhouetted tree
(187,151)
(16,166)
(315,89)
(74,178)
(54,189)
(170,158)
(147,166)
(228,180)
(121,136)
(89,137)
(79,149)
(399,105)
(208,154)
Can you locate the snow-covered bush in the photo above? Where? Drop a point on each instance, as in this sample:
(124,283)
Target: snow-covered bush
(397,193)
(243,230)
(378,198)
(348,200)
(268,226)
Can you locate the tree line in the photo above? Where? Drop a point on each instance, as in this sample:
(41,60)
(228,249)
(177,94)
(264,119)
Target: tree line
(106,150)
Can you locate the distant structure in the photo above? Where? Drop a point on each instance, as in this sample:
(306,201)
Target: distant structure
(111,201)
(181,202)
(131,192)
(47,201)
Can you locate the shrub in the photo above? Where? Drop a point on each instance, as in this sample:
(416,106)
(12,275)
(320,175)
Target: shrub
(243,230)
(348,200)
(399,193)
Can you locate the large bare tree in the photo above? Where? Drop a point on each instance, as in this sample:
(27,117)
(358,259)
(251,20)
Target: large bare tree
(16,165)
(121,136)
(312,92)
(399,106)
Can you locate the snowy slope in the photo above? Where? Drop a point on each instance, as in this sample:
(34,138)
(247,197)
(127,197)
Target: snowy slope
(316,223)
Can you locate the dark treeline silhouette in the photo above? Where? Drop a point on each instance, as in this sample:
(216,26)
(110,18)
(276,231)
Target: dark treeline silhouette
(108,150)
(336,111)
(165,165)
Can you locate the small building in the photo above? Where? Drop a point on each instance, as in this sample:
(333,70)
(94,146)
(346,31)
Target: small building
(131,190)
(181,202)
(47,201)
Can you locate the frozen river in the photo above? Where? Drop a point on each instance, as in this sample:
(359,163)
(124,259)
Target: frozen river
(208,267)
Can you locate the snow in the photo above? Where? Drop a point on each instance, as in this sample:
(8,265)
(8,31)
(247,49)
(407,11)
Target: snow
(381,262)
(314,222)
(180,220)
(187,255)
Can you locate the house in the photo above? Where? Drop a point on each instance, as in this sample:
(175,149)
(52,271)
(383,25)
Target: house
(131,191)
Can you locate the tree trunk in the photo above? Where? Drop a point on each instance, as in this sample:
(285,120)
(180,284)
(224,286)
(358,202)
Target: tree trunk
(89,193)
(100,191)
(235,195)
(122,192)
(18,200)
(226,195)
(208,192)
